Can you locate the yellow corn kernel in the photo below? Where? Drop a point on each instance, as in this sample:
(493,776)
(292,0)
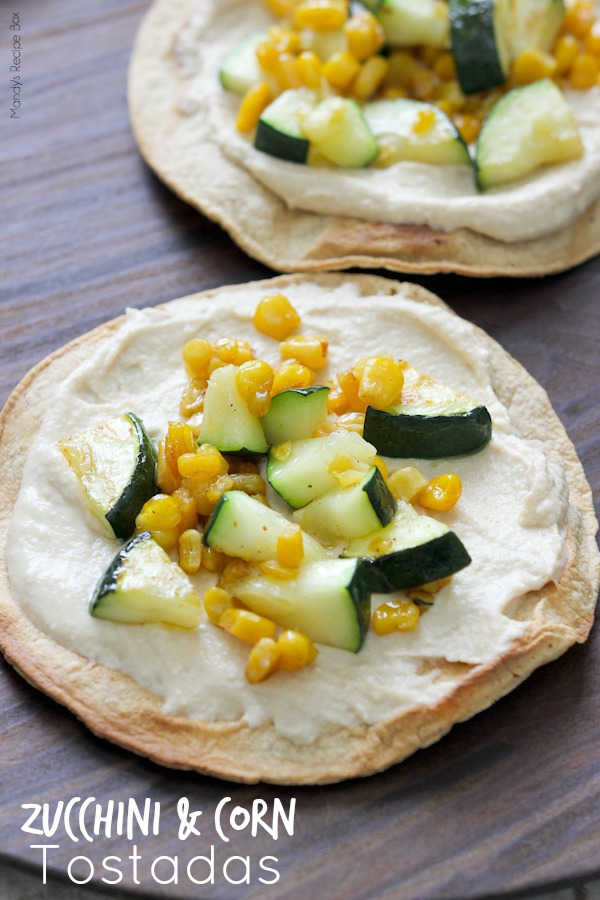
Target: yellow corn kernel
(592,40)
(254,380)
(310,70)
(584,72)
(381,465)
(533,64)
(308,349)
(364,35)
(395,615)
(285,40)
(240,466)
(208,494)
(380,546)
(233,571)
(216,601)
(232,351)
(380,382)
(566,51)
(276,317)
(267,56)
(290,547)
(256,99)
(423,84)
(250,483)
(579,19)
(406,483)
(187,507)
(394,93)
(428,55)
(421,597)
(166,538)
(192,398)
(325,428)
(206,463)
(213,560)
(468,126)
(281,8)
(444,66)
(452,96)
(424,121)
(272,568)
(349,384)
(321,15)
(262,661)
(441,493)
(291,374)
(341,69)
(342,462)
(218,487)
(196,355)
(246,625)
(160,513)
(433,587)
(166,479)
(296,650)
(351,421)
(402,67)
(215,363)
(178,440)
(282,451)
(372,72)
(288,73)
(190,551)
(337,402)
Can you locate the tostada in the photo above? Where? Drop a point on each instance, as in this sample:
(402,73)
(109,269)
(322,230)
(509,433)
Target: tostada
(442,136)
(249,535)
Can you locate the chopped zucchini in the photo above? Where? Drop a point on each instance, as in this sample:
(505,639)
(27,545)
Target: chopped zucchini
(530,127)
(241,526)
(347,513)
(393,124)
(412,550)
(407,22)
(227,423)
(240,69)
(295,414)
(536,24)
(143,587)
(329,601)
(279,131)
(339,131)
(116,467)
(431,422)
(304,473)
(481,35)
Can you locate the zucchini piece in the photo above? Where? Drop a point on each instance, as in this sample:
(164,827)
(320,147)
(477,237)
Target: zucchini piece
(530,127)
(279,131)
(392,122)
(412,550)
(116,467)
(407,22)
(304,473)
(481,35)
(143,587)
(295,414)
(347,513)
(339,131)
(536,24)
(240,68)
(227,423)
(329,601)
(241,526)
(431,422)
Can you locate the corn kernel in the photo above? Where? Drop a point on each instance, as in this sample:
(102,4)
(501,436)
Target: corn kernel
(281,8)
(321,15)
(308,350)
(256,99)
(444,66)
(566,51)
(592,41)
(452,96)
(190,551)
(342,462)
(423,84)
(290,547)
(421,597)
(216,601)
(402,67)
(196,354)
(372,72)
(380,546)
(187,507)
(288,73)
(254,381)
(276,317)
(341,69)
(579,19)
(406,483)
(246,625)
(349,384)
(178,440)
(262,661)
(381,465)
(284,39)
(468,126)
(267,56)
(351,421)
(166,479)
(441,493)
(310,70)
(296,650)
(166,538)
(364,35)
(234,571)
(161,512)
(282,451)
(291,374)
(424,121)
(206,463)
(250,483)
(532,65)
(395,615)
(192,398)
(380,382)
(232,351)
(215,363)
(584,72)
(272,568)
(213,560)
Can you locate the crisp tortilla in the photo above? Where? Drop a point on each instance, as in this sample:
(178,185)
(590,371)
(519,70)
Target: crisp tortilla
(183,152)
(115,707)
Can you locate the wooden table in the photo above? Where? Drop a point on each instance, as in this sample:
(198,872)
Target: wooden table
(511,799)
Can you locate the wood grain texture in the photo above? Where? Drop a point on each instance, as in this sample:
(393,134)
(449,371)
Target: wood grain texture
(507,801)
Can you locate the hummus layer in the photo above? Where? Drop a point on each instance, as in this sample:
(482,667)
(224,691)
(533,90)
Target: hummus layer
(442,197)
(518,548)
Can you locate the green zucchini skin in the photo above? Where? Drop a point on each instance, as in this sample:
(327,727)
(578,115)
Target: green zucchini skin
(277,143)
(474,45)
(141,487)
(107,584)
(414,566)
(428,437)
